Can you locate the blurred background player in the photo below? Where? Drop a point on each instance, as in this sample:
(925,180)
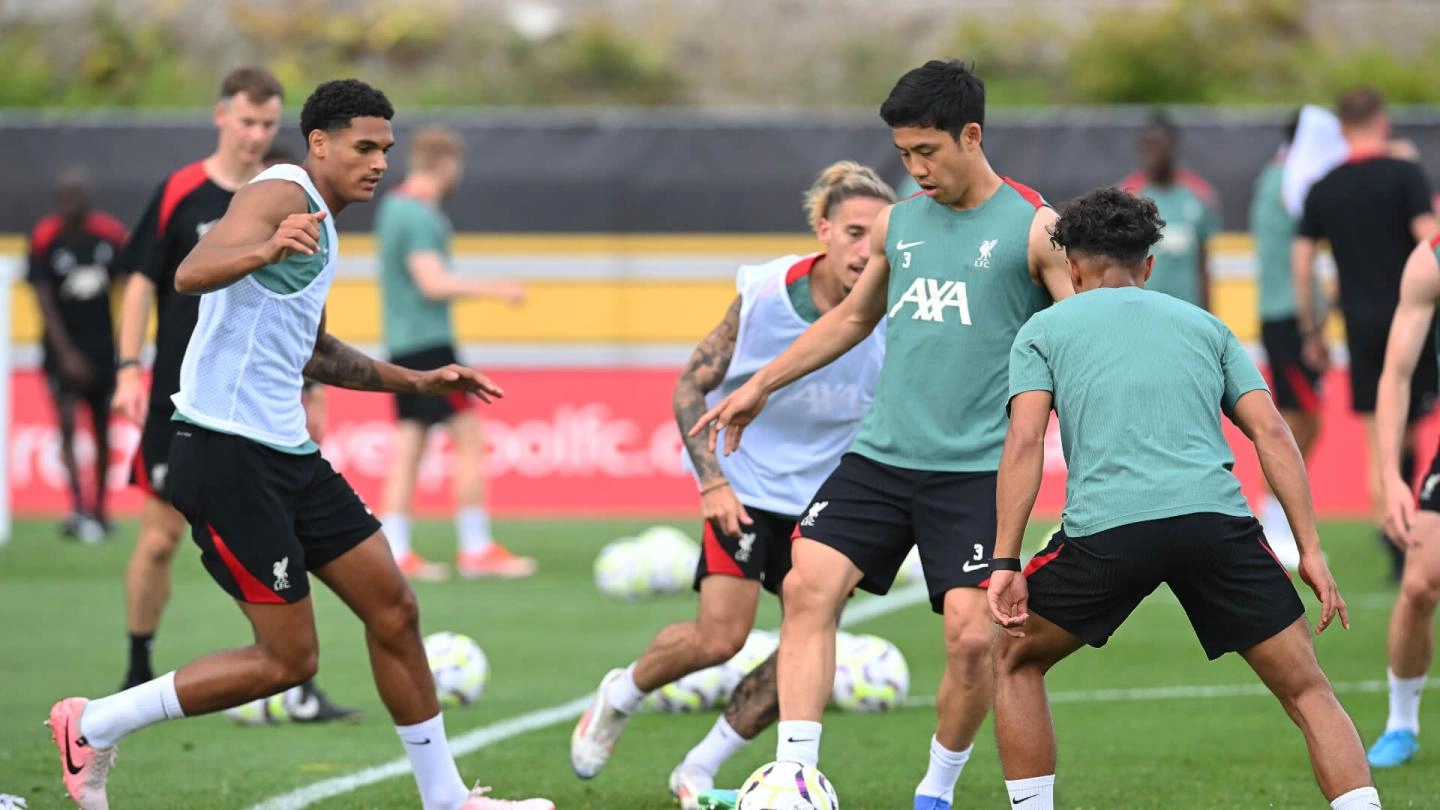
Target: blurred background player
(1410,646)
(72,264)
(266,508)
(1372,209)
(1294,382)
(752,499)
(417,288)
(921,472)
(185,206)
(1190,207)
(1151,498)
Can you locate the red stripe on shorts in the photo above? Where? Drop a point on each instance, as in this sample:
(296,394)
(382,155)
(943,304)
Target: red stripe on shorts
(1271,552)
(251,589)
(717,560)
(459,401)
(1304,392)
(1043,560)
(142,475)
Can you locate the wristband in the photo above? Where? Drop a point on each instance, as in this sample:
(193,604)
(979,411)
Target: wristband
(126,362)
(714,487)
(1005,564)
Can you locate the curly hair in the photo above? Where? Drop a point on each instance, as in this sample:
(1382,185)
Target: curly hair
(1111,223)
(334,104)
(942,95)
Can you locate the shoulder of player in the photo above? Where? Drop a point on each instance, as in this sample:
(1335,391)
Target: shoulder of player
(1034,198)
(1197,185)
(42,236)
(277,197)
(178,187)
(104,226)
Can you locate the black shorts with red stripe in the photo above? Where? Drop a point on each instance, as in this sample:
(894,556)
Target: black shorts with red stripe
(1220,567)
(263,518)
(761,551)
(150,470)
(1295,385)
(429,410)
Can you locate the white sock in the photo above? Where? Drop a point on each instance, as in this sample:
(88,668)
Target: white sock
(1358,799)
(623,694)
(1036,793)
(1405,703)
(397,530)
(799,741)
(472,524)
(441,787)
(108,719)
(944,771)
(722,743)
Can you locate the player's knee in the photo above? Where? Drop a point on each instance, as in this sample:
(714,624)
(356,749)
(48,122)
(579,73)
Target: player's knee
(721,646)
(399,620)
(291,667)
(158,546)
(804,593)
(1420,590)
(969,643)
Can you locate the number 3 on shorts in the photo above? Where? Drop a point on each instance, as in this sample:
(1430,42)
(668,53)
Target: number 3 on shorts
(979,552)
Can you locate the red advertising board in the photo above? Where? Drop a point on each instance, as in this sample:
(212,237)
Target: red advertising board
(581,442)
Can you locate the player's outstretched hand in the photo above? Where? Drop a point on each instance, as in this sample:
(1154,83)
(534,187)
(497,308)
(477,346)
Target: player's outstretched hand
(1316,573)
(1009,597)
(298,233)
(452,378)
(719,504)
(1316,354)
(1399,512)
(131,399)
(732,415)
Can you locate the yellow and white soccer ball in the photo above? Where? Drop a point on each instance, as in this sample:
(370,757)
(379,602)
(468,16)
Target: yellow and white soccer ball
(621,570)
(695,692)
(267,711)
(670,557)
(871,675)
(788,786)
(459,666)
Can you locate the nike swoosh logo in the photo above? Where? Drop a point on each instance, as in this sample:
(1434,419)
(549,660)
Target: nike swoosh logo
(908,245)
(69,761)
(425,741)
(793,740)
(969,566)
(1022,801)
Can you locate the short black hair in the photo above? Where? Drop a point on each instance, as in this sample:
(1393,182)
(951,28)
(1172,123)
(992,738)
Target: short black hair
(1108,222)
(334,104)
(942,95)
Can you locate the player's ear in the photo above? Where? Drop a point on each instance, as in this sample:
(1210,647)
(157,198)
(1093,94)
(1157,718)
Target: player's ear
(1149,268)
(220,107)
(1074,272)
(822,230)
(971,136)
(319,142)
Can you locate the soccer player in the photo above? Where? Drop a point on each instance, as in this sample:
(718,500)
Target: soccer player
(751,500)
(72,262)
(1411,643)
(953,273)
(1190,208)
(1139,382)
(1372,209)
(266,509)
(185,206)
(413,236)
(1294,382)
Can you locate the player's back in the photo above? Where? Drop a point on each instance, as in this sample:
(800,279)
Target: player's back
(1139,379)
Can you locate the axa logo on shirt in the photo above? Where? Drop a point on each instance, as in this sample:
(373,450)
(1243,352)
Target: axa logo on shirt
(931,297)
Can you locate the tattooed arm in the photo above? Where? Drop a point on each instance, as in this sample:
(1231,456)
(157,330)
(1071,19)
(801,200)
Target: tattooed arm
(334,363)
(703,374)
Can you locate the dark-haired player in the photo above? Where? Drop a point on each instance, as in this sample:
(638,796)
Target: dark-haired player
(72,261)
(265,508)
(1189,205)
(954,272)
(1139,381)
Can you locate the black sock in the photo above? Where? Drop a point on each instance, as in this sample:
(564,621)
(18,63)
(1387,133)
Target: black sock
(140,656)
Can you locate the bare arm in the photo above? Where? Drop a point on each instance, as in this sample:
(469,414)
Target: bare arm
(840,329)
(1202,273)
(436,283)
(266,222)
(54,323)
(334,363)
(1302,271)
(1048,266)
(1409,330)
(1424,226)
(1280,460)
(703,374)
(135,314)
(1022,464)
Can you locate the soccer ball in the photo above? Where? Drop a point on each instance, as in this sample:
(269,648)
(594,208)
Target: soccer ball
(760,645)
(788,786)
(621,570)
(870,675)
(8,802)
(670,559)
(695,692)
(266,711)
(460,668)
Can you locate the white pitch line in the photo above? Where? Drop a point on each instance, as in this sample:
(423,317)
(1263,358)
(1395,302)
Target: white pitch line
(1179,692)
(479,738)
